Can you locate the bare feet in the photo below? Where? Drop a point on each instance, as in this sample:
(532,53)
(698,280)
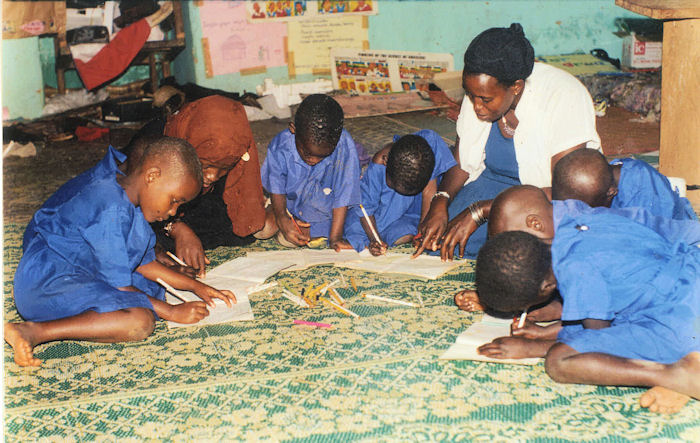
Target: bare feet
(685,383)
(17,336)
(468,300)
(662,400)
(165,10)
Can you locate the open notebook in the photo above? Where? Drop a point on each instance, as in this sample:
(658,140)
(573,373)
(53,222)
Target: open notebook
(241,276)
(423,266)
(479,334)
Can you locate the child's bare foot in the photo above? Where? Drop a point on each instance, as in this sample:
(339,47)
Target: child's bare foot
(17,336)
(468,300)
(165,10)
(684,383)
(662,400)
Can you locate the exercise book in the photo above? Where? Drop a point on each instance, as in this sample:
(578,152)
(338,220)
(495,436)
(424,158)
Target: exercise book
(480,333)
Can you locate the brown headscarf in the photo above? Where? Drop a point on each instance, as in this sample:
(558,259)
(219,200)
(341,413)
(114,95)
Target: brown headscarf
(218,129)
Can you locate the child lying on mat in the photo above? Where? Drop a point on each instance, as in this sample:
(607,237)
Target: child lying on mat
(397,188)
(585,175)
(630,291)
(623,183)
(312,172)
(88,271)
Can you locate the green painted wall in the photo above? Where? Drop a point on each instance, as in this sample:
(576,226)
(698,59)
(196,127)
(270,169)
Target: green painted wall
(553,27)
(22,82)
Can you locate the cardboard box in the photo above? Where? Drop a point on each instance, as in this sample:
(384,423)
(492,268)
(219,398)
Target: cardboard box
(641,52)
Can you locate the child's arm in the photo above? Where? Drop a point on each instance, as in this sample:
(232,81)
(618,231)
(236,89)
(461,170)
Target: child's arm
(335,238)
(155,270)
(375,247)
(186,313)
(516,347)
(189,246)
(533,331)
(299,237)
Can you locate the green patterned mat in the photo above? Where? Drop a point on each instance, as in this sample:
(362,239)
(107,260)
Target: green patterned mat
(376,378)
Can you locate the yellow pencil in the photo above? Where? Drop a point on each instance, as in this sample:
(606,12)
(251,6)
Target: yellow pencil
(340,308)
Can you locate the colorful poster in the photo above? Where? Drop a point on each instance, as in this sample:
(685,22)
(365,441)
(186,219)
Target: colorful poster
(231,44)
(261,11)
(379,72)
(310,42)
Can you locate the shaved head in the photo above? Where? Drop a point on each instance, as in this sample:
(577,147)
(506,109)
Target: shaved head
(585,175)
(522,208)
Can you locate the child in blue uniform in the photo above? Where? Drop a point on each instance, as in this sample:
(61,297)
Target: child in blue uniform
(88,268)
(623,183)
(312,172)
(396,190)
(630,291)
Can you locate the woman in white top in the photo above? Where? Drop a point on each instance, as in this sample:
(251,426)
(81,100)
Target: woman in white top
(517,120)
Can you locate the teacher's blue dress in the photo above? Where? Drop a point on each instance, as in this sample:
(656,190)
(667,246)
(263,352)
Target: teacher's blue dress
(643,276)
(85,242)
(501,173)
(396,215)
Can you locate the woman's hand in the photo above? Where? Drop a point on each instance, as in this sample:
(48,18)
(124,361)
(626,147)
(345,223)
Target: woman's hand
(189,247)
(459,229)
(188,313)
(432,227)
(377,248)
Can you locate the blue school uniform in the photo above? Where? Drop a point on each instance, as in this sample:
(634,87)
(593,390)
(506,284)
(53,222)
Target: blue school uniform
(645,281)
(313,191)
(395,214)
(501,173)
(643,186)
(81,245)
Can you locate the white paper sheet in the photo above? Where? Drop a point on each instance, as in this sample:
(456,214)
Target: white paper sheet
(485,331)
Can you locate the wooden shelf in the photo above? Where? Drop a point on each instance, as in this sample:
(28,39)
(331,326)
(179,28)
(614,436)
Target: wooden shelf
(663,9)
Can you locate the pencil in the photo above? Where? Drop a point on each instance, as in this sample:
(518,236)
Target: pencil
(175,259)
(294,221)
(340,308)
(172,290)
(312,323)
(391,300)
(371,226)
(521,322)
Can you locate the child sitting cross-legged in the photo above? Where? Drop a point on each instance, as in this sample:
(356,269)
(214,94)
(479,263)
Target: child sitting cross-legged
(312,173)
(630,291)
(397,188)
(88,270)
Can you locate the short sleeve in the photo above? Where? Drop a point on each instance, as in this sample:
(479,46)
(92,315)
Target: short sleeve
(107,236)
(570,117)
(346,177)
(371,186)
(584,291)
(274,169)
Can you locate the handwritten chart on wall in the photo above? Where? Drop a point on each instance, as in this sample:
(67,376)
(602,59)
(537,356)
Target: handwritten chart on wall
(231,44)
(310,42)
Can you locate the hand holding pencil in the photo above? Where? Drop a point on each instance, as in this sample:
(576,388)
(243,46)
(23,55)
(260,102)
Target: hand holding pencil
(376,245)
(295,234)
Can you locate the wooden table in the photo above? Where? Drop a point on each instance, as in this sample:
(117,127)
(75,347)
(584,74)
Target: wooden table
(679,152)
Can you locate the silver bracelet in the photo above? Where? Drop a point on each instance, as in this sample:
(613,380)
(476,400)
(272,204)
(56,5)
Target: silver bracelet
(440,194)
(477,213)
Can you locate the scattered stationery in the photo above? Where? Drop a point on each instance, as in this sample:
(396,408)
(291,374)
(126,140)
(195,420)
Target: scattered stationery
(390,300)
(480,333)
(312,323)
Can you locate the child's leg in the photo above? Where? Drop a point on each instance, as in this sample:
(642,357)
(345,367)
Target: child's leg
(131,324)
(680,380)
(270,227)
